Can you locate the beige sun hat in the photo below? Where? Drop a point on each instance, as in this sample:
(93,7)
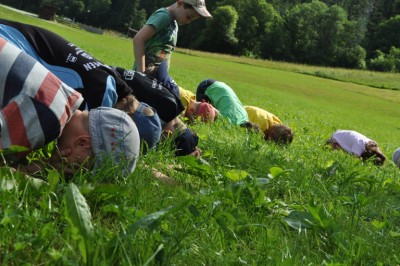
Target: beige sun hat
(200,7)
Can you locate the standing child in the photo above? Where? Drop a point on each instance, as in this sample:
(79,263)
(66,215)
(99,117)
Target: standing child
(357,144)
(270,125)
(157,39)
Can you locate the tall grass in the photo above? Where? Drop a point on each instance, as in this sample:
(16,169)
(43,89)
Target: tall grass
(247,201)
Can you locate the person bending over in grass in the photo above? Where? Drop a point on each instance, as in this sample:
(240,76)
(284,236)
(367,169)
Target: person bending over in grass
(186,140)
(99,84)
(224,99)
(357,144)
(38,108)
(193,109)
(154,43)
(159,90)
(396,157)
(270,125)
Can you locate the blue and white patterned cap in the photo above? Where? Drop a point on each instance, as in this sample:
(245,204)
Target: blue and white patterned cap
(114,135)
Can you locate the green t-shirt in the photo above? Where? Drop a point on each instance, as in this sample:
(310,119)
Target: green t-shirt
(227,103)
(159,48)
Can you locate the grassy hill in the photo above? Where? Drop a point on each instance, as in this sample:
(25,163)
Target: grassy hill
(248,201)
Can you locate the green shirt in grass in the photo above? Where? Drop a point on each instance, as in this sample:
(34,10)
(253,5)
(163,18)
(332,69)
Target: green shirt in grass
(227,103)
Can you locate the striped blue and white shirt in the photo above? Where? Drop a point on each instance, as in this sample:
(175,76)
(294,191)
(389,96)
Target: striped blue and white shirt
(35,105)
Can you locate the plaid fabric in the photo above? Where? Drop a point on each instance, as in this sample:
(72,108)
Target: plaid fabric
(35,105)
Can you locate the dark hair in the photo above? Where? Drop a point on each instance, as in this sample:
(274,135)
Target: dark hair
(186,142)
(280,133)
(372,151)
(187,6)
(127,104)
(151,71)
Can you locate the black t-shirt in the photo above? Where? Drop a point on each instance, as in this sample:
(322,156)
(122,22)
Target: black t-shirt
(154,93)
(99,84)
(74,66)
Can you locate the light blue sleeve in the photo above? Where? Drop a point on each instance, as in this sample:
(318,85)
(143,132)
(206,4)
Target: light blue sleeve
(15,37)
(110,95)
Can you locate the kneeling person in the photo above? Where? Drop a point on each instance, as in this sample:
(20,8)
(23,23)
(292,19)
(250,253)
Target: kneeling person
(37,108)
(99,84)
(357,144)
(270,125)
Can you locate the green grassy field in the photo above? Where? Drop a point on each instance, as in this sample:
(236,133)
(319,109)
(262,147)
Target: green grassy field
(296,205)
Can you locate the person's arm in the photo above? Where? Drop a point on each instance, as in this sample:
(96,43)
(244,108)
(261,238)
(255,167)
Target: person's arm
(139,42)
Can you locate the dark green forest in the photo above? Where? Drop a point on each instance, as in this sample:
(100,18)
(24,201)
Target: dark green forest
(362,34)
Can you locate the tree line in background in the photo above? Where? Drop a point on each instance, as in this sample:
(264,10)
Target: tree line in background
(361,34)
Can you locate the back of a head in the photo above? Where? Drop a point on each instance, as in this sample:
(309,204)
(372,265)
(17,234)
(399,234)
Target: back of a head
(206,111)
(281,134)
(396,157)
(372,151)
(379,159)
(146,120)
(114,135)
(186,142)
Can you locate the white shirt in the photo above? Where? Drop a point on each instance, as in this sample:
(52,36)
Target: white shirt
(351,141)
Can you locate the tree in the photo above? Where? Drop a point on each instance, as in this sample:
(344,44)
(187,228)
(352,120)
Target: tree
(350,53)
(331,27)
(69,8)
(302,23)
(394,54)
(282,6)
(382,63)
(96,12)
(219,33)
(254,16)
(274,40)
(387,35)
(124,14)
(322,35)
(29,5)
(382,11)
(152,5)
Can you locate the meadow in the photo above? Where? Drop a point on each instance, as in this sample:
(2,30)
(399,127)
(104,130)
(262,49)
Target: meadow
(247,202)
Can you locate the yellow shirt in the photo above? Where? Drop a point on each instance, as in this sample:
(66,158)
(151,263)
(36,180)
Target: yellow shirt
(185,96)
(261,117)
